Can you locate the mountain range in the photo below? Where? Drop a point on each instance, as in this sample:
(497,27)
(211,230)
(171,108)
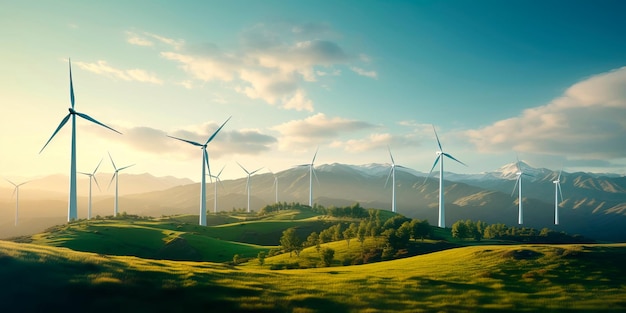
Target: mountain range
(594,205)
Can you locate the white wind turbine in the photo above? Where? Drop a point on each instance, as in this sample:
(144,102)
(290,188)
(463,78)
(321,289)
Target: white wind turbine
(217,181)
(392,174)
(72,210)
(16,192)
(205,165)
(440,157)
(557,193)
(311,174)
(116,177)
(92,176)
(518,181)
(248,182)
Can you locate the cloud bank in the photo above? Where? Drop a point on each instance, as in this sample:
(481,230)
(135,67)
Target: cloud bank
(272,64)
(587,122)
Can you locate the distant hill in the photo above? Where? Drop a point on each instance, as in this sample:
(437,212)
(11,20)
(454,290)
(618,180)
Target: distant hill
(594,205)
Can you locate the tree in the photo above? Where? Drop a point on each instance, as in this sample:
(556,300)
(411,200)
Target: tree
(350,232)
(313,240)
(327,256)
(362,232)
(261,256)
(420,229)
(291,242)
(459,230)
(236,259)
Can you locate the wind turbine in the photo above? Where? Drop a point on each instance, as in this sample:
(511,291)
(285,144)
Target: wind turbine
(16,192)
(518,181)
(440,156)
(392,174)
(557,193)
(205,162)
(72,209)
(217,181)
(311,173)
(92,175)
(248,182)
(116,177)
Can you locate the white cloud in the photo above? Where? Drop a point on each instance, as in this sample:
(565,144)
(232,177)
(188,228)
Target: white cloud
(272,63)
(587,122)
(203,68)
(134,39)
(155,141)
(362,72)
(103,68)
(143,39)
(315,129)
(377,141)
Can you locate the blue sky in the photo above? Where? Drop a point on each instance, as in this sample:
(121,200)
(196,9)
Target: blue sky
(544,80)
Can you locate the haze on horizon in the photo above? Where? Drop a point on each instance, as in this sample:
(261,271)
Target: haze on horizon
(497,79)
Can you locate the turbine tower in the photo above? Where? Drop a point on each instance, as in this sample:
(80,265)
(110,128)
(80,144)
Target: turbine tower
(16,192)
(518,181)
(392,174)
(205,165)
(311,173)
(440,156)
(557,193)
(72,209)
(248,182)
(92,175)
(217,181)
(116,177)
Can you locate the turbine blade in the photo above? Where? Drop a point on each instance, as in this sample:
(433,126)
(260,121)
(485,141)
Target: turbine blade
(110,182)
(315,175)
(206,160)
(94,171)
(438,142)
(12,183)
(453,158)
(315,155)
(388,175)
(561,171)
(217,131)
(432,168)
(88,174)
(256,171)
(220,173)
(65,119)
(72,99)
(187,141)
(243,168)
(110,157)
(125,167)
(390,155)
(96,180)
(89,118)
(515,186)
(23,183)
(558,186)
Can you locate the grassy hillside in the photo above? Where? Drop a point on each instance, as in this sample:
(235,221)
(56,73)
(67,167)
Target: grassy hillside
(179,237)
(530,278)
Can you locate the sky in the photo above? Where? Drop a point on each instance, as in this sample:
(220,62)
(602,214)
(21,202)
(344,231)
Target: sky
(544,81)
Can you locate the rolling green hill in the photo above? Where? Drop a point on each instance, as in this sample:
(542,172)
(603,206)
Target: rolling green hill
(179,237)
(522,278)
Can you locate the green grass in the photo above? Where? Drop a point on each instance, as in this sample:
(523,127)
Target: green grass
(513,278)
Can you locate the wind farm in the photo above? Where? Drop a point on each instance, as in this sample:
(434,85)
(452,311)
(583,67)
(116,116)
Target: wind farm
(527,117)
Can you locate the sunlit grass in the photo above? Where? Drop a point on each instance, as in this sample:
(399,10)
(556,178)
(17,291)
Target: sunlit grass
(479,278)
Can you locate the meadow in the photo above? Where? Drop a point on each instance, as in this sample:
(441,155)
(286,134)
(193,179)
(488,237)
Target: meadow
(522,278)
(133,264)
